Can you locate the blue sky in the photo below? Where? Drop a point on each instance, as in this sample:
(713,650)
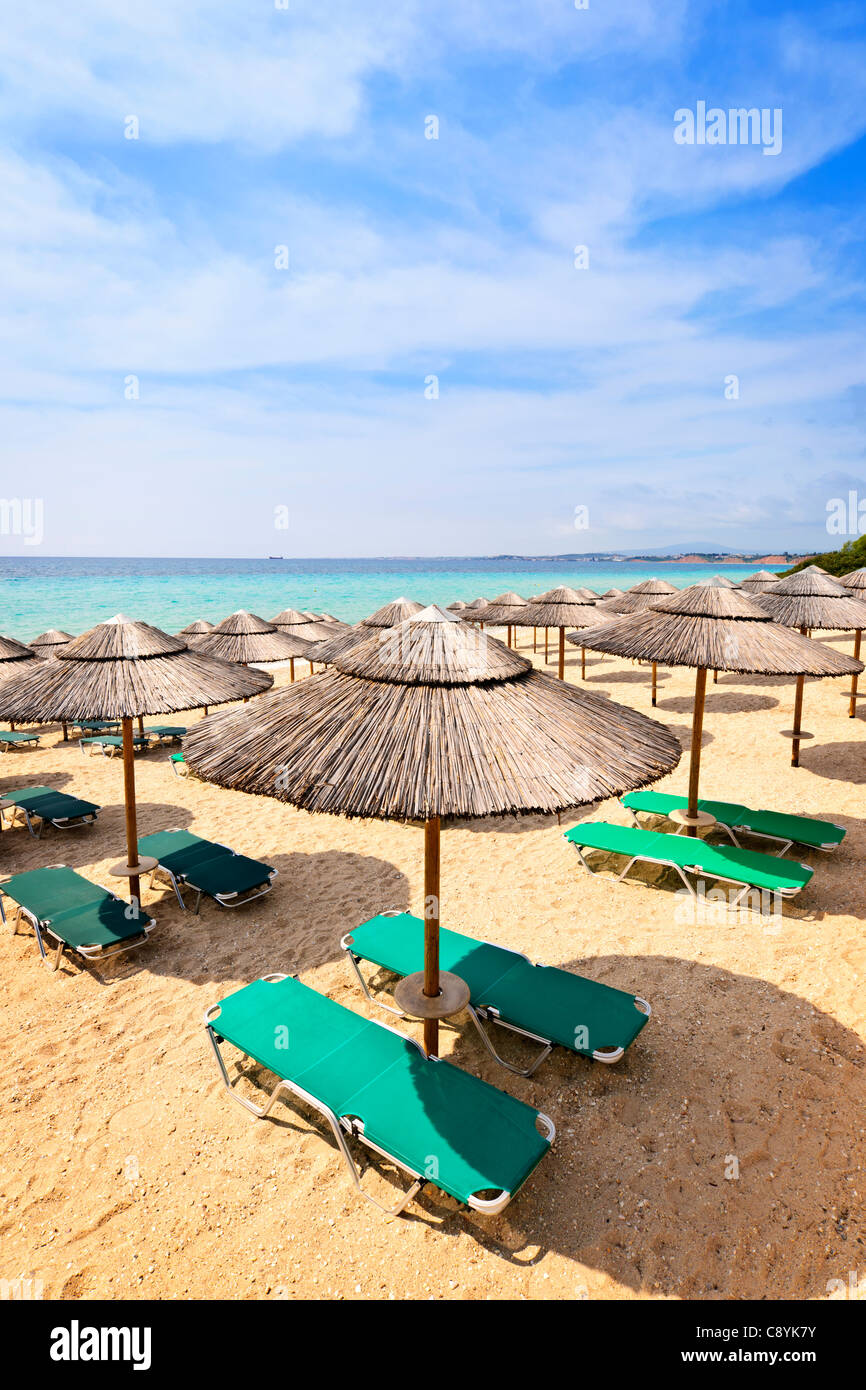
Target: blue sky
(262,393)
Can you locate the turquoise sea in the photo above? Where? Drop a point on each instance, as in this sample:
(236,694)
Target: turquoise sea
(73,594)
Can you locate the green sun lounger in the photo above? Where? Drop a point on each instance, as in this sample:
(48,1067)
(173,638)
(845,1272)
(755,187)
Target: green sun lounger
(733,818)
(179,765)
(97,726)
(109,744)
(166,733)
(437,1123)
(547,1005)
(208,868)
(691,856)
(13,738)
(43,806)
(69,913)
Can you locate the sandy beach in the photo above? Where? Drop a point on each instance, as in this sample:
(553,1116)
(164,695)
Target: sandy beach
(128,1173)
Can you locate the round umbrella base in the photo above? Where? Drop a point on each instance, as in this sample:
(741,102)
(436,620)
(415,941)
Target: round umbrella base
(452,998)
(797,733)
(682,817)
(145,865)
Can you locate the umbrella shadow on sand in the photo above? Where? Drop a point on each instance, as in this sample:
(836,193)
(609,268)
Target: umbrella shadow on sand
(718,702)
(316,898)
(843,762)
(713,1161)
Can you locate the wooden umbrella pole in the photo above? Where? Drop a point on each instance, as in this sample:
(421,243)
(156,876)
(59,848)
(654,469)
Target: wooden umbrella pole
(798,715)
(292,669)
(546,634)
(562,653)
(129,805)
(852,703)
(535,639)
(798,721)
(583,663)
(695,756)
(655,680)
(431,928)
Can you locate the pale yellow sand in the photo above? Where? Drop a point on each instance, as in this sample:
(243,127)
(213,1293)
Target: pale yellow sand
(755,1050)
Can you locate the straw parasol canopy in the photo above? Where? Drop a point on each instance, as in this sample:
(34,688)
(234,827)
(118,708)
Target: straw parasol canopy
(309,626)
(199,628)
(561,608)
(713,628)
(123,669)
(47,644)
(813,601)
(502,611)
(759,581)
(390,614)
(338,643)
(635,600)
(245,638)
(856,579)
(457,606)
(428,721)
(11,652)
(613,593)
(717,581)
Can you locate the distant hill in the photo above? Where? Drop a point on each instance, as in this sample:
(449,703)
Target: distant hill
(852,556)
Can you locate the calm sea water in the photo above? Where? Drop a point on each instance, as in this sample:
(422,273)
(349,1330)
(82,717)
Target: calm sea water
(73,594)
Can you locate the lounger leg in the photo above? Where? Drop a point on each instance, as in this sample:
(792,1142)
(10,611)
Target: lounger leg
(518,1071)
(283,1090)
(389,1008)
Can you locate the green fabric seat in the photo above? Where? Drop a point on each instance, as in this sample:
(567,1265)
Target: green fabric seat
(12,736)
(80,915)
(96,924)
(51,805)
(225,875)
(162,731)
(773,825)
(437,1121)
(179,850)
(691,854)
(209,869)
(554,1005)
(113,741)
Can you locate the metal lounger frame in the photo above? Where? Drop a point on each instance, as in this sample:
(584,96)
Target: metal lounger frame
(59,822)
(342,1125)
(488,1013)
(52,961)
(682,870)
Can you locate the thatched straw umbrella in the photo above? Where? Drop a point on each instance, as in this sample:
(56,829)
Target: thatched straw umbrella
(11,652)
(708,627)
(429,721)
(560,608)
(198,628)
(855,581)
(247,639)
(337,644)
(502,612)
(390,614)
(758,581)
(613,593)
(635,600)
(47,644)
(305,625)
(122,670)
(457,606)
(811,601)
